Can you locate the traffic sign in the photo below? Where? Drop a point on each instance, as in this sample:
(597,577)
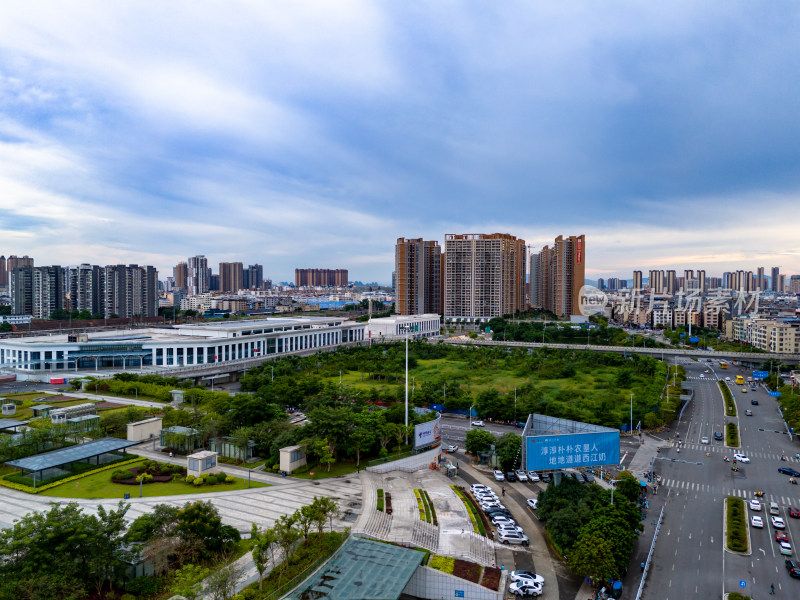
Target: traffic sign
(742,583)
(775,394)
(760,374)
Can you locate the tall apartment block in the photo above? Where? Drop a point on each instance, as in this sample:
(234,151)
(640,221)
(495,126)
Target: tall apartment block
(85,288)
(484,275)
(198,275)
(130,291)
(13,262)
(181,274)
(637,280)
(320,277)
(48,291)
(3,272)
(560,275)
(254,277)
(417,277)
(21,283)
(776,272)
(231,277)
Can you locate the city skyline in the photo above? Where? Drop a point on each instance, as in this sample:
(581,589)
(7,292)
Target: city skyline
(302,135)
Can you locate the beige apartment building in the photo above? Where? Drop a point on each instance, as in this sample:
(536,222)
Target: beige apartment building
(560,275)
(770,335)
(418,277)
(484,275)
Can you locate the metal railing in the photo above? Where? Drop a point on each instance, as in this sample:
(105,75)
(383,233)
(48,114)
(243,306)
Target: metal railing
(650,555)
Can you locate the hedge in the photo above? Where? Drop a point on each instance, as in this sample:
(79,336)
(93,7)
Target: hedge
(477,523)
(736,522)
(730,405)
(430,505)
(445,564)
(467,570)
(47,486)
(732,435)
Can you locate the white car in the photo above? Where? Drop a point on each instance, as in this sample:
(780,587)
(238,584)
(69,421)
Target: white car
(702,376)
(704,440)
(533,503)
(485,496)
(756,521)
(755,504)
(777,523)
(727,379)
(508,528)
(512,538)
(533,476)
(741,458)
(522,475)
(477,423)
(479,486)
(452,448)
(502,519)
(526,575)
(525,588)
(498,475)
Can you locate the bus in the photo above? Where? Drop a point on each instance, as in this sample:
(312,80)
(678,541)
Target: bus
(739,380)
(723,364)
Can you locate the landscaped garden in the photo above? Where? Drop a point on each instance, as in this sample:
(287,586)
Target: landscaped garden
(159,480)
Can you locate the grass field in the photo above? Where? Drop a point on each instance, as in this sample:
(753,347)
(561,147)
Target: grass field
(99,486)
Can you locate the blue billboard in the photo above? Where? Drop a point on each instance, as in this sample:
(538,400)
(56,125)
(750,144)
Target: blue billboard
(545,452)
(760,374)
(694,340)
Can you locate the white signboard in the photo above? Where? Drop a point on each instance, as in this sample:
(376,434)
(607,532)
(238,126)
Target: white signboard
(426,434)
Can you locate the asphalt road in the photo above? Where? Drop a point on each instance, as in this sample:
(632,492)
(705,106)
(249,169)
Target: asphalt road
(690,560)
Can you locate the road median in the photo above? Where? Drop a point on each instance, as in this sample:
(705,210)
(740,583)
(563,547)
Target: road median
(737,535)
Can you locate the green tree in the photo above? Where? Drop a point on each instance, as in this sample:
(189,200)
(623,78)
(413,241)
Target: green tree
(160,523)
(6,327)
(324,509)
(200,521)
(263,552)
(304,517)
(363,435)
(479,440)
(188,581)
(286,535)
(323,451)
(592,556)
(508,450)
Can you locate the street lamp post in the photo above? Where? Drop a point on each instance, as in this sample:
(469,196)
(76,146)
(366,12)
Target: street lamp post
(613,483)
(406,386)
(631,414)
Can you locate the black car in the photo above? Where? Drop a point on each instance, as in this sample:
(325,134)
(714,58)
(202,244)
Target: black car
(754,401)
(788,471)
(792,567)
(717,435)
(511,476)
(498,511)
(545,477)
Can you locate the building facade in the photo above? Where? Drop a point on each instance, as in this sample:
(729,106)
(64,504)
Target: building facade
(560,273)
(484,275)
(320,277)
(254,277)
(231,277)
(197,277)
(417,277)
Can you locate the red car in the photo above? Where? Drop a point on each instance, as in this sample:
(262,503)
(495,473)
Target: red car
(781,536)
(794,513)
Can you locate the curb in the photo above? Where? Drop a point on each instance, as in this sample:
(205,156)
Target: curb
(725,529)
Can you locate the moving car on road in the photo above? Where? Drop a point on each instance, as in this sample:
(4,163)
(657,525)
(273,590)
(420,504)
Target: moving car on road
(756,521)
(786,548)
(794,513)
(754,402)
(477,423)
(773,508)
(777,522)
(755,504)
(532,502)
(704,440)
(788,471)
(741,458)
(718,435)
(792,567)
(748,413)
(452,448)
(781,536)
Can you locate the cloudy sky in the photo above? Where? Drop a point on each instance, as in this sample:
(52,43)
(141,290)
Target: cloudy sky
(313,134)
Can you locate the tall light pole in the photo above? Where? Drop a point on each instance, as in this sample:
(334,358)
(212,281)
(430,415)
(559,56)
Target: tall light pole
(406,328)
(515,406)
(631,414)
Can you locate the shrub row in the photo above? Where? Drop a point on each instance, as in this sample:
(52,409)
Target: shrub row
(467,570)
(380,499)
(429,505)
(423,513)
(445,564)
(736,523)
(477,524)
(730,405)
(732,435)
(220,477)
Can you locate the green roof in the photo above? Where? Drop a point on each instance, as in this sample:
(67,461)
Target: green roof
(362,569)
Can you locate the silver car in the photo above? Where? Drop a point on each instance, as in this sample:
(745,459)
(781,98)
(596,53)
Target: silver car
(512,538)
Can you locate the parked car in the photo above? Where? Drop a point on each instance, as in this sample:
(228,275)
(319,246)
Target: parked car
(545,477)
(511,476)
(579,477)
(477,424)
(756,521)
(524,588)
(588,477)
(533,476)
(513,538)
(788,471)
(498,511)
(498,475)
(532,502)
(526,575)
(502,519)
(479,486)
(508,527)
(522,475)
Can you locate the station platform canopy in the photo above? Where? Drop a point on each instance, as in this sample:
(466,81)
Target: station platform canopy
(11,424)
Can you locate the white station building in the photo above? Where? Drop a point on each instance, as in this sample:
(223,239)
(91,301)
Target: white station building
(178,346)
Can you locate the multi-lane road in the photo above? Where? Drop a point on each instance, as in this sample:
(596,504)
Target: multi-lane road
(690,560)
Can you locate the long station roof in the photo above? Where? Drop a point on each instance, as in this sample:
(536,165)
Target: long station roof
(56,458)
